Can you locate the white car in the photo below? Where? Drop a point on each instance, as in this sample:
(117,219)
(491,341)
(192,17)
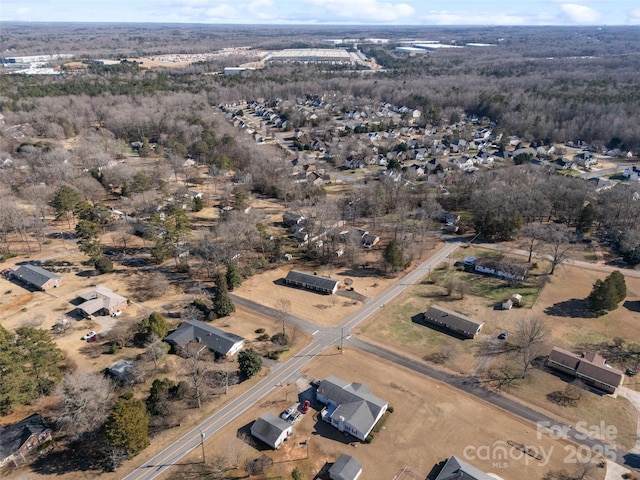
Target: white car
(89,335)
(284,415)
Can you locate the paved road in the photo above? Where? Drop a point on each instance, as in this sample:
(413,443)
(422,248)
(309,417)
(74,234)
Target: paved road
(325,337)
(322,339)
(577,263)
(471,386)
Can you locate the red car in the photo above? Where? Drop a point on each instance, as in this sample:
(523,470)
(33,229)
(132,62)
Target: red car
(306,406)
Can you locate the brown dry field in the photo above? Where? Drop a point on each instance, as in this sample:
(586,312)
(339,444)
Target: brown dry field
(268,289)
(449,423)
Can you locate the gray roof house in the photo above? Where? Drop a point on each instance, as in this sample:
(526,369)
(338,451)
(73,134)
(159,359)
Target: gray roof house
(456,469)
(345,468)
(17,441)
(312,282)
(456,322)
(37,277)
(350,407)
(222,343)
(271,430)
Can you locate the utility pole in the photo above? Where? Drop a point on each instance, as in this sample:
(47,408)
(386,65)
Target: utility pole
(202,435)
(341,338)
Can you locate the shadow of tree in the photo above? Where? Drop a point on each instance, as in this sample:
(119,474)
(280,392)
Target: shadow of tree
(85,455)
(634,306)
(573,308)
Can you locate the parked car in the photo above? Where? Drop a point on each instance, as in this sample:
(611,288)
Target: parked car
(284,415)
(92,339)
(305,406)
(294,417)
(631,372)
(503,335)
(117,313)
(89,335)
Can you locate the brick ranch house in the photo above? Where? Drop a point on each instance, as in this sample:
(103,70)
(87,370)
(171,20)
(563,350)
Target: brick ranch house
(315,283)
(456,322)
(37,277)
(590,367)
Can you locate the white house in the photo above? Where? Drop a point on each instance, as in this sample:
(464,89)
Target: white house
(271,430)
(350,407)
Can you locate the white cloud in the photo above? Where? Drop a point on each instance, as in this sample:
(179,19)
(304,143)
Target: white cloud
(634,17)
(581,14)
(460,18)
(365,11)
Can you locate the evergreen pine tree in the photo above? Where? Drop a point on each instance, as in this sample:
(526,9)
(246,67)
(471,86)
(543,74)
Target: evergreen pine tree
(393,255)
(222,304)
(249,363)
(128,426)
(233,277)
(619,284)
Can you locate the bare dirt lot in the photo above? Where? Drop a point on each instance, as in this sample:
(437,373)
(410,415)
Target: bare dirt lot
(449,423)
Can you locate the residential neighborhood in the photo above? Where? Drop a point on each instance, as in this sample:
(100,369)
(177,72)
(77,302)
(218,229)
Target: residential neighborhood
(344,252)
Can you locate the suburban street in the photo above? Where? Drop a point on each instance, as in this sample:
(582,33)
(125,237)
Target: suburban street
(326,337)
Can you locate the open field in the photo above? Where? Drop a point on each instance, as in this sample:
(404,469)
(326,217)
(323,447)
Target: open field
(268,289)
(450,423)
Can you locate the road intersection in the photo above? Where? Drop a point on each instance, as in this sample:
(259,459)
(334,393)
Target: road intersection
(324,338)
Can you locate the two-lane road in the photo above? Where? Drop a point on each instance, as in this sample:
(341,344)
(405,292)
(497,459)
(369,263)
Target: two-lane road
(322,339)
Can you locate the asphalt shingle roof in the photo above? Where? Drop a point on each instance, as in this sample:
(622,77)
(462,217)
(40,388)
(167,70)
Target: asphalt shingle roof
(345,468)
(35,275)
(217,340)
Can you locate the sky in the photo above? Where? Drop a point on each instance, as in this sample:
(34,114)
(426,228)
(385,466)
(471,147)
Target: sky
(329,12)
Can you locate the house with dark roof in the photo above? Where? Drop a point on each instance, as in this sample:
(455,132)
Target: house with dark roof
(271,429)
(345,468)
(590,367)
(102,301)
(456,469)
(22,439)
(312,282)
(350,407)
(456,322)
(37,277)
(222,343)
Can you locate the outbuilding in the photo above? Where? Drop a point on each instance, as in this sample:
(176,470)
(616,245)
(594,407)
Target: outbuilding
(271,429)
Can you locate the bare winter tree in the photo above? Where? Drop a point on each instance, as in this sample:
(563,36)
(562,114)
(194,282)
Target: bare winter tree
(198,362)
(85,402)
(156,350)
(557,238)
(283,307)
(530,341)
(531,235)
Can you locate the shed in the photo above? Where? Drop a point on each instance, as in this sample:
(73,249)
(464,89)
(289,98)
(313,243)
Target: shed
(271,430)
(345,468)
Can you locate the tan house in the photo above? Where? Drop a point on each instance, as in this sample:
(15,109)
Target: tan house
(102,301)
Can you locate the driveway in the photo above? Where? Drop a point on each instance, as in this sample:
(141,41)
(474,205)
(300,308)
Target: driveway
(614,470)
